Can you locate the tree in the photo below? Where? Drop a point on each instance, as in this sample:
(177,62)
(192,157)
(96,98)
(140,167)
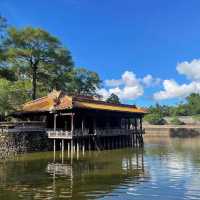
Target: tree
(85,82)
(182,109)
(3,25)
(39,56)
(113,98)
(176,121)
(4,96)
(13,94)
(7,74)
(193,101)
(155,119)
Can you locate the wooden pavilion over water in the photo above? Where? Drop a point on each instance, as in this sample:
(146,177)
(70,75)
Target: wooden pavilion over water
(86,123)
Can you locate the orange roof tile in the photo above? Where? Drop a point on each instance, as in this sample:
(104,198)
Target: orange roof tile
(57,100)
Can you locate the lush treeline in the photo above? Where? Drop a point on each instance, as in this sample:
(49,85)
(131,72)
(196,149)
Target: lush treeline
(190,107)
(33,62)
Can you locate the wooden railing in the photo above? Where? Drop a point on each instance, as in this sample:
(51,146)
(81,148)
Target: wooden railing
(59,169)
(59,134)
(22,126)
(63,134)
(107,132)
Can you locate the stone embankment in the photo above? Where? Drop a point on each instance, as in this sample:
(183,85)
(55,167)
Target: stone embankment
(22,137)
(13,143)
(181,131)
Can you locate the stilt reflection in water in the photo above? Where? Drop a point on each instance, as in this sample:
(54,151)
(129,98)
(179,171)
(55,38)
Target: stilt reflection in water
(97,172)
(168,170)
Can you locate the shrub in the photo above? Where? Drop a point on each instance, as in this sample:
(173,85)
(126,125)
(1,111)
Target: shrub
(155,119)
(196,117)
(176,121)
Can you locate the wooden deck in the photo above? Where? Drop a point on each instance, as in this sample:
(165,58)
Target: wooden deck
(22,126)
(59,134)
(78,133)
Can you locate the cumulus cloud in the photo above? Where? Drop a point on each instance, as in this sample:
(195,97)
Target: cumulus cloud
(128,86)
(129,78)
(149,80)
(171,89)
(113,82)
(103,92)
(132,92)
(190,69)
(174,90)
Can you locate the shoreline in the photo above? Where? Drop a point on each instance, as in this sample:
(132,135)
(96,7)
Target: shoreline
(180,131)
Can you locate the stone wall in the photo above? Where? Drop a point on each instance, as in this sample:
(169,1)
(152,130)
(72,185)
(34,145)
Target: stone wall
(13,143)
(181,131)
(185,119)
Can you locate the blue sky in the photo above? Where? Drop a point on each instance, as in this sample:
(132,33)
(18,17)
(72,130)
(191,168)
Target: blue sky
(124,40)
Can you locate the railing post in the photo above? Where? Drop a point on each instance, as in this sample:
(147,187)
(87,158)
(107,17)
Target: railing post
(141,124)
(82,125)
(54,149)
(54,125)
(72,124)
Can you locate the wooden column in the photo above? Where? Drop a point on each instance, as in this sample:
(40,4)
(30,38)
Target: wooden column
(54,124)
(94,125)
(63,150)
(82,126)
(83,146)
(54,149)
(77,148)
(141,123)
(68,148)
(135,119)
(72,147)
(72,123)
(128,127)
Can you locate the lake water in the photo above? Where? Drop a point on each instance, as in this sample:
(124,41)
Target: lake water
(164,169)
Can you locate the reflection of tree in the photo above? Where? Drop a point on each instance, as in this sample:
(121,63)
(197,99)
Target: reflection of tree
(99,175)
(94,175)
(183,150)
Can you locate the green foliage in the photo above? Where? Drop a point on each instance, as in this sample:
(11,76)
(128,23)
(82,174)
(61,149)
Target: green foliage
(113,98)
(38,56)
(196,117)
(161,110)
(176,121)
(8,74)
(85,82)
(194,103)
(190,107)
(3,25)
(13,94)
(4,96)
(155,119)
(182,110)
(32,63)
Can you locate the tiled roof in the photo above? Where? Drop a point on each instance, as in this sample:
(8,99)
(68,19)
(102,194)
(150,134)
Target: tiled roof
(57,100)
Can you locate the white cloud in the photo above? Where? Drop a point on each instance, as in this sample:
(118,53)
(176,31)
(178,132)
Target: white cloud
(171,89)
(116,91)
(149,80)
(113,82)
(104,93)
(128,87)
(129,78)
(132,92)
(190,69)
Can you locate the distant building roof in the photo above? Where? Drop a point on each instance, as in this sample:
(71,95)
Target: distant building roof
(57,100)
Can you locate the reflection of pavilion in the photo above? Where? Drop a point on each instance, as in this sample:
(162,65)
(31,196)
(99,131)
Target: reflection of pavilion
(59,169)
(98,175)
